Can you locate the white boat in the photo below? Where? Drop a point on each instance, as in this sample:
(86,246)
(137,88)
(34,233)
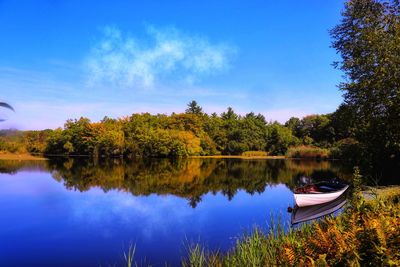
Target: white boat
(316,211)
(319,194)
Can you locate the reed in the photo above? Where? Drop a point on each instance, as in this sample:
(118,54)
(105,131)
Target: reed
(129,258)
(129,255)
(196,257)
(307,152)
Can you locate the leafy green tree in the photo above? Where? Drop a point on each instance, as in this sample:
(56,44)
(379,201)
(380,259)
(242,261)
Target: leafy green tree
(318,128)
(82,135)
(254,131)
(184,122)
(68,147)
(35,141)
(279,139)
(344,121)
(368,40)
(229,115)
(110,142)
(233,133)
(56,142)
(294,124)
(214,129)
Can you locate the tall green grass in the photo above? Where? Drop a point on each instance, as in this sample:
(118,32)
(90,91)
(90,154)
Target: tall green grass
(129,258)
(197,256)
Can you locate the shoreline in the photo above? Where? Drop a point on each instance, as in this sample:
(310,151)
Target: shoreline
(372,192)
(10,156)
(237,157)
(26,156)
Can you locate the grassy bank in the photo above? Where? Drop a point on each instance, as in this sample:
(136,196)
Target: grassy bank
(367,233)
(11,156)
(371,193)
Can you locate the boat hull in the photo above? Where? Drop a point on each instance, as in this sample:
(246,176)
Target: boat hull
(303,200)
(316,211)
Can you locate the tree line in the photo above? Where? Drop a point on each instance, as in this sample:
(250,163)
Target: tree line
(193,133)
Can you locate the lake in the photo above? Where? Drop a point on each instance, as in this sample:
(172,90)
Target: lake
(81,212)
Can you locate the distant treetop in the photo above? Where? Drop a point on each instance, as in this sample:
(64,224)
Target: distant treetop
(194,108)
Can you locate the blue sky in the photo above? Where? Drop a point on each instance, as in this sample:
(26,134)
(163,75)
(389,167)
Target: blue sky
(66,59)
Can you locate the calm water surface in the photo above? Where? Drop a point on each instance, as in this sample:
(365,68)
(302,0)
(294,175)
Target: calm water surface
(86,213)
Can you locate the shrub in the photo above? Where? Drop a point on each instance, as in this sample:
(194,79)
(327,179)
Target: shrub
(280,139)
(13,147)
(348,149)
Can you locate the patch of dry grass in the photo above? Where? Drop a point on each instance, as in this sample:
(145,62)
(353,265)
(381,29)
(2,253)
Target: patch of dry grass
(10,156)
(255,154)
(307,152)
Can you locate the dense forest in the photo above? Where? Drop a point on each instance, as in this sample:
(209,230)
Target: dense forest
(364,130)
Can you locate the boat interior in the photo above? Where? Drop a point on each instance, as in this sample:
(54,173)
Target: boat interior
(322,187)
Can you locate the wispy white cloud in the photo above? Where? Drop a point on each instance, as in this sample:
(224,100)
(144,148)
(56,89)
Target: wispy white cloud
(167,56)
(43,101)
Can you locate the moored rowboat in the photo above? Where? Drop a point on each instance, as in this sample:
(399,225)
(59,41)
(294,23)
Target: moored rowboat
(318,194)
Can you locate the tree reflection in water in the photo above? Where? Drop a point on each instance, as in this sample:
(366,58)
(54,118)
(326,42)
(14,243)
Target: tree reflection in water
(186,178)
